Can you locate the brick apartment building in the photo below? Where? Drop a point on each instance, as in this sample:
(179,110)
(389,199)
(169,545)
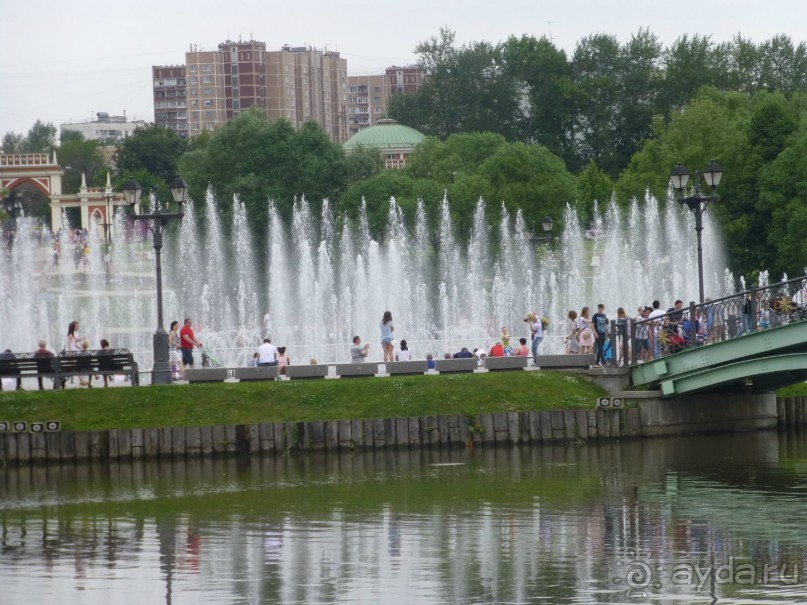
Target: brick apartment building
(213,87)
(369,96)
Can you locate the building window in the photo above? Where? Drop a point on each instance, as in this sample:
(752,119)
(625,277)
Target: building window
(208,103)
(193,79)
(207,80)
(207,92)
(193,92)
(209,114)
(194,103)
(196,126)
(193,68)
(206,67)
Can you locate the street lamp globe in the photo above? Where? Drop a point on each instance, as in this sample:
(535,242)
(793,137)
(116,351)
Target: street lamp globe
(679,176)
(712,174)
(132,191)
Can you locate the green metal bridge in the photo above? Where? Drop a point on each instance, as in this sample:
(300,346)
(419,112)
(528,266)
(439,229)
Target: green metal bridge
(760,344)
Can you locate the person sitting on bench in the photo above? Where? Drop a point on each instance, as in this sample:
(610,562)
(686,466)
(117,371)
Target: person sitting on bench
(44,362)
(7,354)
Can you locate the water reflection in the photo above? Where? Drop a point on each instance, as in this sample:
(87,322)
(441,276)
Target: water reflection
(673,521)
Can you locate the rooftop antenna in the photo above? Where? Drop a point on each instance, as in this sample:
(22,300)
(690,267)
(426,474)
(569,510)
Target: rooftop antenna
(551,39)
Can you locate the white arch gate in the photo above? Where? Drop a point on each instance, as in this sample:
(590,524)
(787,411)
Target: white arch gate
(43,172)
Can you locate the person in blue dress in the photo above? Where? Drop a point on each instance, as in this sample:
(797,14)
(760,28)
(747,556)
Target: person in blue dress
(386,337)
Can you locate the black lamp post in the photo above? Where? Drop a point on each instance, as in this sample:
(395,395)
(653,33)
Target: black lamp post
(161,372)
(697,201)
(546,225)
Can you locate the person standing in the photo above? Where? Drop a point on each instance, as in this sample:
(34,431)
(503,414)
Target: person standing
(267,354)
(536,332)
(600,322)
(174,351)
(655,328)
(358,353)
(187,340)
(386,337)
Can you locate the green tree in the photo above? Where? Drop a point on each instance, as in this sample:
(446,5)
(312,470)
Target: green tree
(543,73)
(597,80)
(152,148)
(262,161)
(41,137)
(466,89)
(77,156)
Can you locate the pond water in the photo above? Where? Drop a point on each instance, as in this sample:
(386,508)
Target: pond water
(695,520)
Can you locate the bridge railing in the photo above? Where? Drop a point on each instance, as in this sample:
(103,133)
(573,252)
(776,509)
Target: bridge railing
(699,325)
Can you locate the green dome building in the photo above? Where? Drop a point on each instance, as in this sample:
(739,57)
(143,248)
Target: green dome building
(395,142)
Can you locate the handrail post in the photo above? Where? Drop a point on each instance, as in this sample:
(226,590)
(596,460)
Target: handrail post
(693,328)
(754,308)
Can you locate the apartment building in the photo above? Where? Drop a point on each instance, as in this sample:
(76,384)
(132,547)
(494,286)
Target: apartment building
(304,84)
(369,96)
(170,103)
(294,83)
(105,128)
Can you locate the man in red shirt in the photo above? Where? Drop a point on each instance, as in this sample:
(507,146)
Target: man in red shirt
(186,343)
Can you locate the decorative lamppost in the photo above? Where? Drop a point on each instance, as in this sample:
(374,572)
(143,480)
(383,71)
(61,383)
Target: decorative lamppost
(546,225)
(697,201)
(109,195)
(161,372)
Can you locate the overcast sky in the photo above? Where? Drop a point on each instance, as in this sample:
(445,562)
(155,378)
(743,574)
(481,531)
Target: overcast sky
(65,61)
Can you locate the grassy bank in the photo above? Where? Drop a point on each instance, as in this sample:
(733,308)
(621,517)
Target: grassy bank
(286,401)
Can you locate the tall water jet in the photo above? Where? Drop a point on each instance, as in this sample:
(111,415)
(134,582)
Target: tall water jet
(328,279)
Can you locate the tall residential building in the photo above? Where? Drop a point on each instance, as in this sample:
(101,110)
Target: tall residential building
(369,96)
(304,84)
(170,103)
(206,75)
(295,83)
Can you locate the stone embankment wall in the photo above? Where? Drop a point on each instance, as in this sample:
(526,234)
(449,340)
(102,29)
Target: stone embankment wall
(645,415)
(345,435)
(791,412)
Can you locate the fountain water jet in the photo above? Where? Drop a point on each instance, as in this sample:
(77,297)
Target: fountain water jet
(328,280)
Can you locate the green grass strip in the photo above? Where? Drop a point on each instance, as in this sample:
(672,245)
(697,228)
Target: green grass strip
(303,401)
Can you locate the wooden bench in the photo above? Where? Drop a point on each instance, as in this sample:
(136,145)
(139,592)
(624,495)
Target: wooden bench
(102,362)
(356,370)
(67,364)
(310,371)
(499,364)
(398,368)
(256,373)
(25,365)
(456,366)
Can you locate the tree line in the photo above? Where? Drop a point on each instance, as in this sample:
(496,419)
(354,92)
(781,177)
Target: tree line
(523,125)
